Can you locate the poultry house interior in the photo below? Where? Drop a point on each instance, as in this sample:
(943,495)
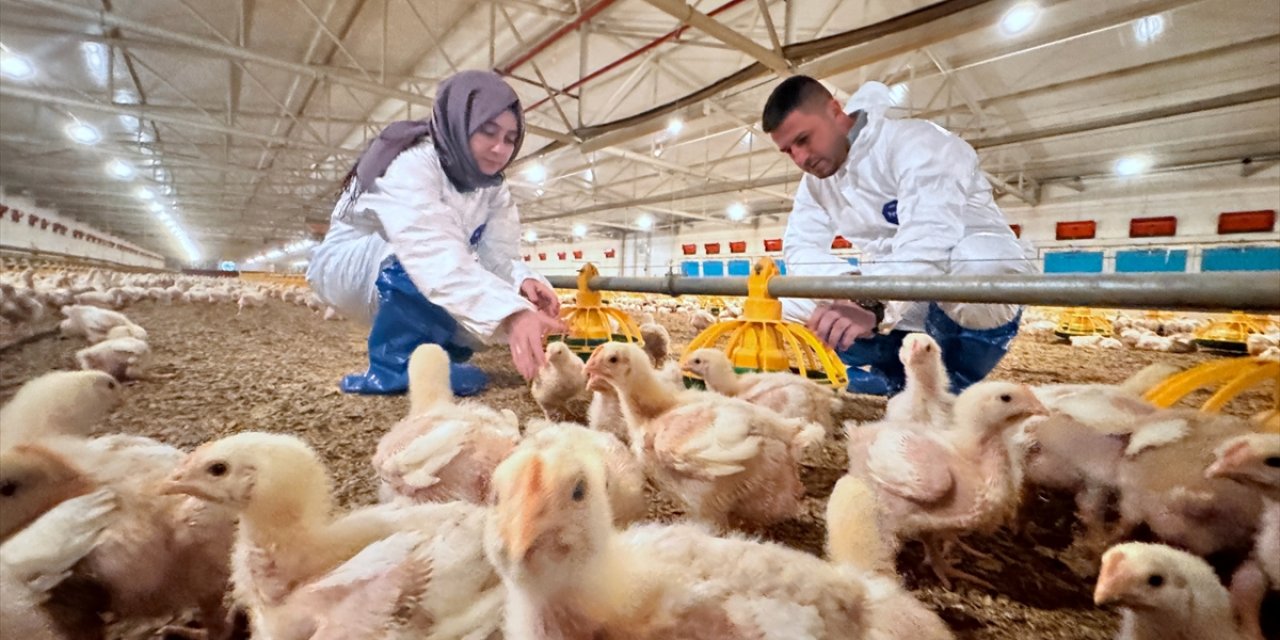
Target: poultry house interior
(640,320)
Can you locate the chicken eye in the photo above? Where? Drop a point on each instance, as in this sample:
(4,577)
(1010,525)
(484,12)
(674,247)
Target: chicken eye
(8,489)
(112,384)
(579,491)
(1156,580)
(1006,398)
(218,469)
(1272,461)
(613,359)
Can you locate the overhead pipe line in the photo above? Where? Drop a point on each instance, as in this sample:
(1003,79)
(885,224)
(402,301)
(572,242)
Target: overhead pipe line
(1230,291)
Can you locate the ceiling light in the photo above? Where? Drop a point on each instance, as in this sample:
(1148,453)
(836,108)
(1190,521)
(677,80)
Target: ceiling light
(674,127)
(531,236)
(645,221)
(589,175)
(1132,165)
(83,133)
(1019,18)
(1147,29)
(145,193)
(95,58)
(579,230)
(120,170)
(16,66)
(736,211)
(155,207)
(536,173)
(657,152)
(898,93)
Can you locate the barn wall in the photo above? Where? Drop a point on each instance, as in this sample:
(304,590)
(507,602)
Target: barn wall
(22,236)
(1195,198)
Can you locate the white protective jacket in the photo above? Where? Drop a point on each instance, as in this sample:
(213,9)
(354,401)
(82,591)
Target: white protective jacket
(913,199)
(459,249)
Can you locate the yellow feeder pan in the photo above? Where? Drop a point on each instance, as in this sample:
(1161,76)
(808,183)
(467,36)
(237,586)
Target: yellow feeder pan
(1232,333)
(591,323)
(761,341)
(1235,375)
(1082,321)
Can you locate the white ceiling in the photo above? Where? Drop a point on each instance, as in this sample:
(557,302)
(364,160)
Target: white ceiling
(252,110)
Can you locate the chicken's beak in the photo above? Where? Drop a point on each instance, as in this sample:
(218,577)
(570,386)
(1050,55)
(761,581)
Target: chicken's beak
(177,485)
(1111,580)
(523,513)
(1227,461)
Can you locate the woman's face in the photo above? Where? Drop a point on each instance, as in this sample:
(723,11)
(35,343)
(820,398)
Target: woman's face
(494,142)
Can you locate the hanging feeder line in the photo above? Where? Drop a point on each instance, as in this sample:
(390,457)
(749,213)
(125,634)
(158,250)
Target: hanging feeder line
(1258,292)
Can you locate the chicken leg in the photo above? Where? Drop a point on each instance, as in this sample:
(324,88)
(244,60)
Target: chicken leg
(942,568)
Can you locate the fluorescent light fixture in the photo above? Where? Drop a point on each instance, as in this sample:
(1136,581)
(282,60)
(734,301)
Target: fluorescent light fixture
(16,66)
(674,127)
(1019,18)
(899,93)
(145,193)
(1132,165)
(95,58)
(530,236)
(1147,29)
(539,192)
(589,175)
(274,254)
(536,173)
(120,170)
(155,207)
(736,211)
(657,152)
(299,263)
(82,133)
(579,230)
(645,221)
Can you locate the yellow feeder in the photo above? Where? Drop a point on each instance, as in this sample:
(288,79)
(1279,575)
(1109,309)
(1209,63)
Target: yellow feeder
(762,341)
(1235,375)
(1082,321)
(591,323)
(1232,333)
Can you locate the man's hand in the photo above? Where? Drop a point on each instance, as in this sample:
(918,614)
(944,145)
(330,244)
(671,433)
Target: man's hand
(542,296)
(838,324)
(525,331)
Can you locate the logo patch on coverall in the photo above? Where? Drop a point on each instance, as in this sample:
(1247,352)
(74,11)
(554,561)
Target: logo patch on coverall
(475,235)
(890,211)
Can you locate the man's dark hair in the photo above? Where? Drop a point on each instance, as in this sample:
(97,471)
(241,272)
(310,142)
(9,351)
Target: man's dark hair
(794,92)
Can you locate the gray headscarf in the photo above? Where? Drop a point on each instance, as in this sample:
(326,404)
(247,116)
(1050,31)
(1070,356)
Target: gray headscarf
(464,102)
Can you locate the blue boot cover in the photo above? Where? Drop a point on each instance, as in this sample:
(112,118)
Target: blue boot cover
(879,353)
(406,319)
(969,354)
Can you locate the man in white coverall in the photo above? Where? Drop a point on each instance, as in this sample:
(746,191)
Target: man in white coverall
(423,242)
(911,196)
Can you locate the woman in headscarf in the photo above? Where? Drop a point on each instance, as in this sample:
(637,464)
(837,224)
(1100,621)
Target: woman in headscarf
(423,242)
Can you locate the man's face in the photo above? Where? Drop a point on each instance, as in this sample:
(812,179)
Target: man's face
(812,136)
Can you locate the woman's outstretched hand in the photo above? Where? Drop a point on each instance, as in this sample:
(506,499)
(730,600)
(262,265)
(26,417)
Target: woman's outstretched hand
(525,331)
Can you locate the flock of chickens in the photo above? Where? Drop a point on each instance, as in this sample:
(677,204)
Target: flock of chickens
(489,528)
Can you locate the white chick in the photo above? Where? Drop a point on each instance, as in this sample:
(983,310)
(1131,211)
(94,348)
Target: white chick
(570,574)
(701,319)
(927,398)
(442,450)
(624,474)
(657,342)
(722,457)
(99,299)
(1253,460)
(784,393)
(59,403)
(605,412)
(250,299)
(1160,487)
(331,314)
(935,484)
(19,306)
(123,358)
(560,387)
(1166,594)
(159,555)
(95,323)
(303,571)
(41,556)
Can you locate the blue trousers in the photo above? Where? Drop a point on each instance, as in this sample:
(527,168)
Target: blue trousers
(968,354)
(405,320)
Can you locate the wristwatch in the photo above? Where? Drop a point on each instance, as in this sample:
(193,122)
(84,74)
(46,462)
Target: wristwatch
(874,306)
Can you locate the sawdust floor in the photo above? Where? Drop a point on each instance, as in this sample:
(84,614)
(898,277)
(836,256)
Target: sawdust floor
(276,369)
